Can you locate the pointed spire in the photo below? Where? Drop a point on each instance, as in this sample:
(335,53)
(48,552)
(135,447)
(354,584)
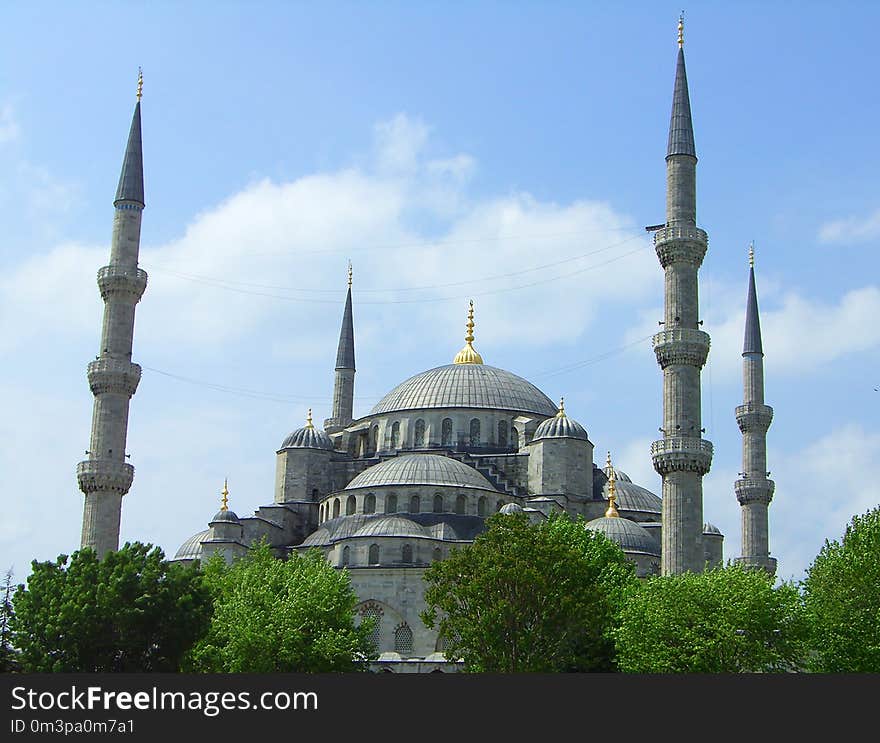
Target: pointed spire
(611,513)
(752,340)
(345,352)
(131,179)
(468,354)
(681,128)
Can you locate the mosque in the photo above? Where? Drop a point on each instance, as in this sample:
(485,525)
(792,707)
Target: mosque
(385,495)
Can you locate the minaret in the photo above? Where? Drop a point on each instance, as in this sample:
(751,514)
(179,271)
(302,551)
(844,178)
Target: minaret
(753,490)
(105,476)
(682,456)
(343,388)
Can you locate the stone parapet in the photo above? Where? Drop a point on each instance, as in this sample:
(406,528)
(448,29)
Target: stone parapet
(113,375)
(681,346)
(754,490)
(104,475)
(761,563)
(681,244)
(122,283)
(754,417)
(681,454)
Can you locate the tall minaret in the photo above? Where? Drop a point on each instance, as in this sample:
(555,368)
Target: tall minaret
(105,476)
(681,457)
(343,388)
(753,490)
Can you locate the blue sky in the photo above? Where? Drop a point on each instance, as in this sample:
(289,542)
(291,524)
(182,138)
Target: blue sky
(507,152)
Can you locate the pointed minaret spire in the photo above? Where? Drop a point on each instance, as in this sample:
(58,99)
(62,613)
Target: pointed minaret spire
(753,490)
(681,128)
(105,476)
(343,388)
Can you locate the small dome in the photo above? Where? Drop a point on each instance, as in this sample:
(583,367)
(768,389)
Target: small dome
(307,437)
(225,516)
(420,469)
(443,531)
(560,426)
(632,497)
(191,549)
(317,538)
(511,508)
(391,526)
(711,529)
(628,534)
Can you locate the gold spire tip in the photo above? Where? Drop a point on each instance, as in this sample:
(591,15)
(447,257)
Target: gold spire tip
(225,494)
(611,513)
(752,254)
(309,423)
(140,84)
(681,30)
(468,354)
(561,413)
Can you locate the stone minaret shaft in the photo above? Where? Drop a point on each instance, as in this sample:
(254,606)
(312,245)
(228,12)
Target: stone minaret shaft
(681,457)
(343,388)
(753,490)
(105,476)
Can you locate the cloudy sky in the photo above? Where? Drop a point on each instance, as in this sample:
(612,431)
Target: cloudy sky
(509,153)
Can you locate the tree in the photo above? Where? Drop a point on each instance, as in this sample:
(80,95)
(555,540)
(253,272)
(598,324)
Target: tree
(727,620)
(8,660)
(530,597)
(842,600)
(131,611)
(279,616)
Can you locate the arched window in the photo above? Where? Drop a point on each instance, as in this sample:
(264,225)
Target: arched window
(321,514)
(446,432)
(395,434)
(460,504)
(370,504)
(407,553)
(514,439)
(438,503)
(374,612)
(335,507)
(391,503)
(475,432)
(403,640)
(419,439)
(350,505)
(502,433)
(374,554)
(415,504)
(374,438)
(481,506)
(346,554)
(438,554)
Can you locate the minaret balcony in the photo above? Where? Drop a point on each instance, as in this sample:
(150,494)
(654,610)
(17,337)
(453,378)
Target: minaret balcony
(113,375)
(103,475)
(754,490)
(681,346)
(681,244)
(753,417)
(127,284)
(682,454)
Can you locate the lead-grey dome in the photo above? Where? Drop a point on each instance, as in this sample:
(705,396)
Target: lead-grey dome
(191,549)
(391,526)
(511,508)
(466,386)
(420,469)
(307,437)
(709,528)
(225,516)
(632,497)
(560,427)
(628,534)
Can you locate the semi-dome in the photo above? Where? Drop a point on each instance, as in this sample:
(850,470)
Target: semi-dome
(628,534)
(560,426)
(191,549)
(466,386)
(511,508)
(632,497)
(391,526)
(420,469)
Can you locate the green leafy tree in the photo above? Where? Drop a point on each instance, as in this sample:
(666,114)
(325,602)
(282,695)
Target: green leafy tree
(131,611)
(842,600)
(728,620)
(278,616)
(8,660)
(530,597)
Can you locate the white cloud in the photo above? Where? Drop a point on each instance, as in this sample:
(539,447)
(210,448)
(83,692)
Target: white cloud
(9,129)
(851,229)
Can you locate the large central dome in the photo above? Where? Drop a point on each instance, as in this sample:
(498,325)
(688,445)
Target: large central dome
(466,386)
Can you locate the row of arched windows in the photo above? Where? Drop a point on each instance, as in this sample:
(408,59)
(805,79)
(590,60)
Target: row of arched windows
(506,435)
(406,555)
(391,505)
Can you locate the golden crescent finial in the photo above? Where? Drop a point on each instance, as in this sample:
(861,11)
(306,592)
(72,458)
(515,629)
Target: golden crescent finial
(612,508)
(225,494)
(309,423)
(468,354)
(561,413)
(752,254)
(140,84)
(681,30)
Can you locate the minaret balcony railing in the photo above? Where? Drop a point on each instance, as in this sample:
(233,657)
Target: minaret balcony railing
(102,475)
(682,454)
(681,244)
(122,283)
(681,346)
(681,233)
(754,490)
(113,375)
(753,416)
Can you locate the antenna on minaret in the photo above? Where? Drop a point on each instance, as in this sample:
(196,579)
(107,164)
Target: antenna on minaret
(752,254)
(681,30)
(140,92)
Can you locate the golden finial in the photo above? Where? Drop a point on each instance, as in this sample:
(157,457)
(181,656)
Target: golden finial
(140,84)
(561,413)
(468,355)
(752,254)
(611,513)
(681,30)
(309,419)
(225,494)
(349,274)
